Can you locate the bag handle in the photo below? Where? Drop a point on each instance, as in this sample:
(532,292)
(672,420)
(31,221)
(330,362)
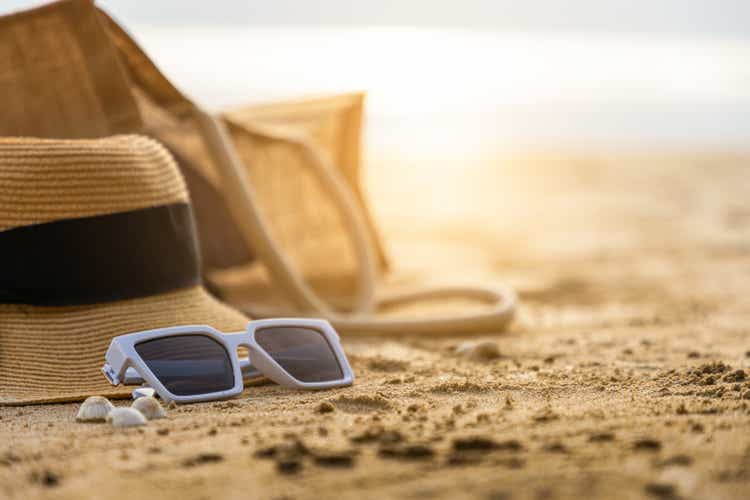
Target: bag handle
(501,301)
(257,234)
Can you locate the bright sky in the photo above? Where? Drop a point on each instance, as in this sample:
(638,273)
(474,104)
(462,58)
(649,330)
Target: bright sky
(477,73)
(726,18)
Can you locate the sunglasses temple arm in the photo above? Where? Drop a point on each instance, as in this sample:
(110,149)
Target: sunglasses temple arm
(132,377)
(114,368)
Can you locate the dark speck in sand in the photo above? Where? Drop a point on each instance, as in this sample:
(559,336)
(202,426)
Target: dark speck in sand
(288,466)
(292,448)
(661,490)
(647,444)
(325,407)
(471,450)
(334,459)
(46,478)
(677,460)
(697,427)
(406,451)
(715,367)
(203,458)
(556,447)
(734,376)
(602,437)
(481,443)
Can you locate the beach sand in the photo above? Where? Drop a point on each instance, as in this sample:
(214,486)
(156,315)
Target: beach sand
(625,375)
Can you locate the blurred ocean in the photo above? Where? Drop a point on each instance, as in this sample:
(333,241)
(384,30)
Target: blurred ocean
(468,91)
(445,107)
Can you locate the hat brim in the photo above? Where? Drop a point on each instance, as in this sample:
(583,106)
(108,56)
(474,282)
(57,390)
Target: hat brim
(54,354)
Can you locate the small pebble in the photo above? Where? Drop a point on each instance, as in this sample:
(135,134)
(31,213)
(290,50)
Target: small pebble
(325,407)
(479,351)
(143,392)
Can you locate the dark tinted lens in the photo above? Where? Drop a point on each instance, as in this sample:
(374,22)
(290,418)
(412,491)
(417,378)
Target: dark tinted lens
(188,365)
(303,352)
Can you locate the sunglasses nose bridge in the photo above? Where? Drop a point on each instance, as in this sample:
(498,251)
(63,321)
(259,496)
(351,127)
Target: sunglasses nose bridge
(239,340)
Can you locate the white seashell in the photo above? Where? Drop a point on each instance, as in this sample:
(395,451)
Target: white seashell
(94,409)
(126,417)
(149,407)
(479,351)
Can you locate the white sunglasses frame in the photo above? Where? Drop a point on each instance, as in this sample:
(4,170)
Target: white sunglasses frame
(122,358)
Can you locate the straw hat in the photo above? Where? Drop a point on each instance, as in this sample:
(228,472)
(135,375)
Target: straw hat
(97,239)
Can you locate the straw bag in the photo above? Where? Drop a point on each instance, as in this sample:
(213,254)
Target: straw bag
(275,189)
(67,70)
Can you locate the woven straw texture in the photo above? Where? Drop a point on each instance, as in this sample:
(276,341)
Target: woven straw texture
(59,75)
(43,180)
(50,354)
(67,70)
(55,353)
(301,216)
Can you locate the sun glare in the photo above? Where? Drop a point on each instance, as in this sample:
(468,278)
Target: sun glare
(443,104)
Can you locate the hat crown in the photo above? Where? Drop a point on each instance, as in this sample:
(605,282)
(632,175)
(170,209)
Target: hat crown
(47,180)
(92,221)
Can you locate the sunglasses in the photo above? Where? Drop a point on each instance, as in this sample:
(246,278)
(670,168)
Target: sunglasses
(188,364)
